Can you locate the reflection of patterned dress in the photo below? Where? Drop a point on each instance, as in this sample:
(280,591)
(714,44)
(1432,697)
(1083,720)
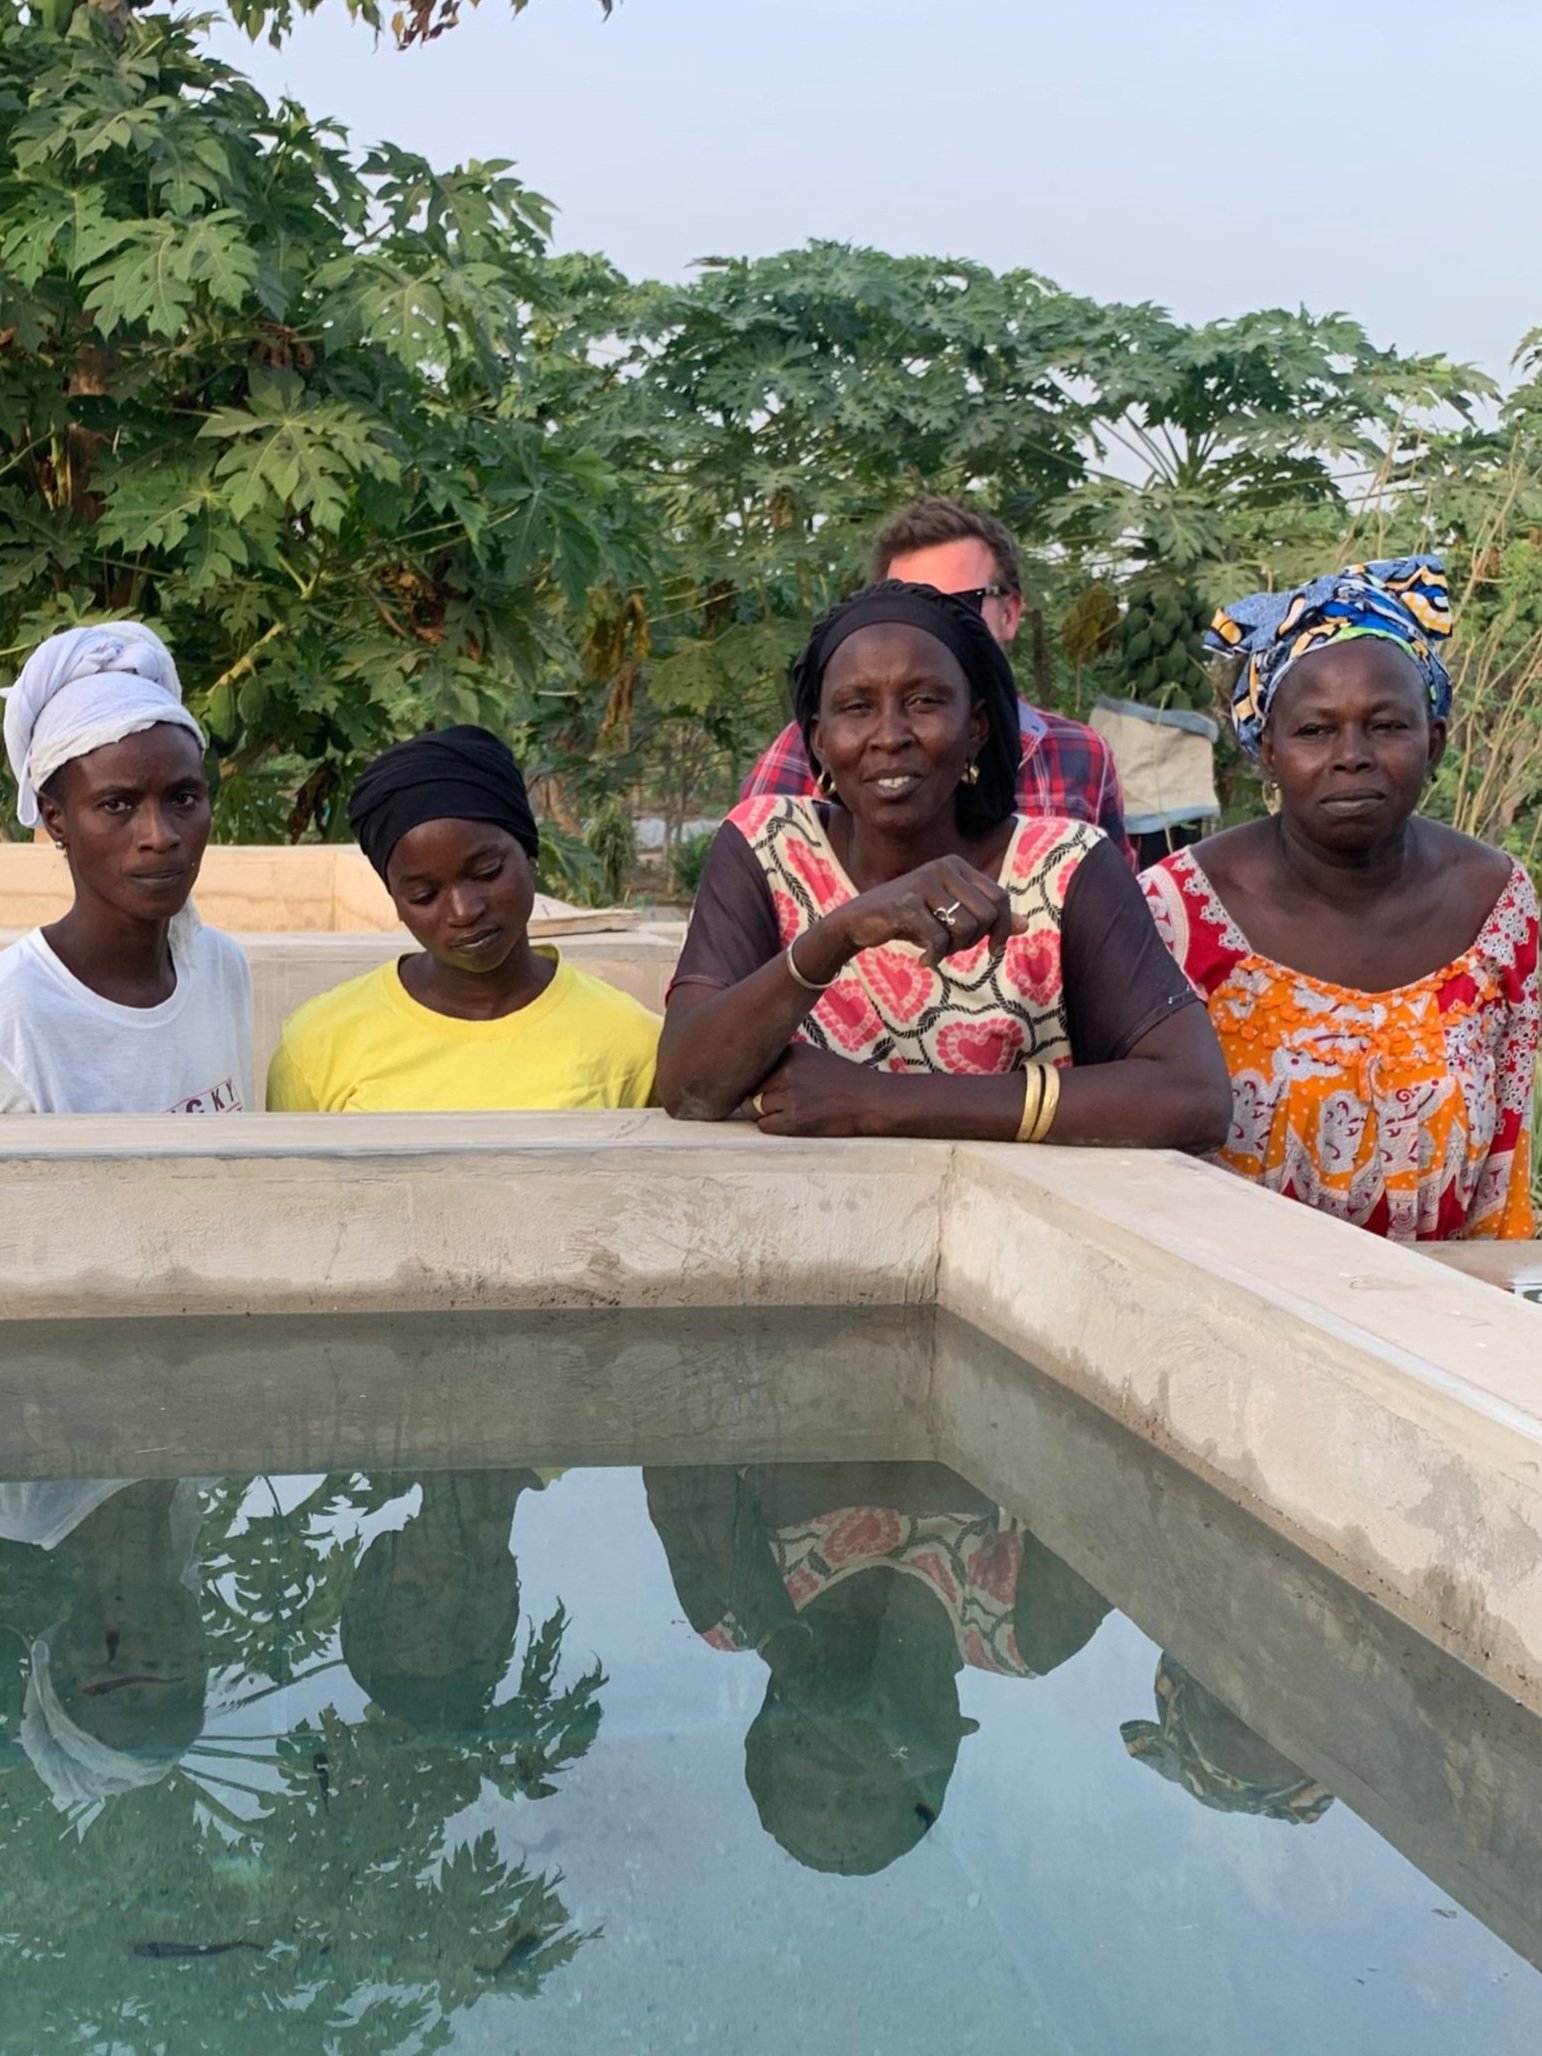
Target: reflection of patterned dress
(1199,1743)
(1405,1112)
(971,1565)
(976,1015)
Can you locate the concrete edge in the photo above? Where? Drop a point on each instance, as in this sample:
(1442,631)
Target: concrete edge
(1382,1411)
(1417,1476)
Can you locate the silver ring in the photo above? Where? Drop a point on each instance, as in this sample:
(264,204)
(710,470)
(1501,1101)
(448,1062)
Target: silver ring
(945,914)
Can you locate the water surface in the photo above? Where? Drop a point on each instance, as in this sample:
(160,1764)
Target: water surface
(645,1683)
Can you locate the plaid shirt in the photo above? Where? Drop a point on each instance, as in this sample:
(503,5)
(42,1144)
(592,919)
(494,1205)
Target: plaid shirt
(1067,769)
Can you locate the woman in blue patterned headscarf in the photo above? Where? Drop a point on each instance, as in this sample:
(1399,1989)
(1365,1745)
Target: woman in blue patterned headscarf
(1371,974)
(1404,601)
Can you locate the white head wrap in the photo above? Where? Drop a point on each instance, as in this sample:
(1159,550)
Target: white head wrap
(78,1769)
(80,691)
(46,1510)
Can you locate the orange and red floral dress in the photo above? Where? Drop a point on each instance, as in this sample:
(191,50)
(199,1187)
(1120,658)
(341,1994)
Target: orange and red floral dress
(1407,1112)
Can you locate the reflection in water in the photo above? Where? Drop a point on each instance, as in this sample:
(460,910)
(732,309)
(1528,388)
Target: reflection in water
(865,1589)
(429,1623)
(345,1856)
(185,1871)
(224,1878)
(1200,1744)
(115,1674)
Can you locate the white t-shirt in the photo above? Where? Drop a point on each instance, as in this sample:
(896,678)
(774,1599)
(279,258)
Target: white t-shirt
(66,1050)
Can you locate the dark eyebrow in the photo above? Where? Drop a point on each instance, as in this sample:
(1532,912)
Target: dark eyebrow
(486,849)
(129,792)
(899,685)
(1308,709)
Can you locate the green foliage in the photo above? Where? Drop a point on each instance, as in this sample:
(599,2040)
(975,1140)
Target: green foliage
(689,861)
(272,397)
(373,459)
(417,21)
(1476,494)
(1243,444)
(1240,453)
(568,868)
(765,416)
(613,839)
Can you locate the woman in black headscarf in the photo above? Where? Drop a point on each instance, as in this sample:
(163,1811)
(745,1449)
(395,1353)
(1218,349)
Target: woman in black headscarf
(907,955)
(430,1621)
(483,1018)
(866,1590)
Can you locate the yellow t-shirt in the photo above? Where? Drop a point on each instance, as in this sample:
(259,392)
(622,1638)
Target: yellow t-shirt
(368,1047)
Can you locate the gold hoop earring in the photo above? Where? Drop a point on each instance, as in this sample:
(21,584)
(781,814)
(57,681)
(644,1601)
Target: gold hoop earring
(971,773)
(824,785)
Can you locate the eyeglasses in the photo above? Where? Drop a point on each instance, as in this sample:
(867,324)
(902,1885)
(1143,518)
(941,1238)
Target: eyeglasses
(976,596)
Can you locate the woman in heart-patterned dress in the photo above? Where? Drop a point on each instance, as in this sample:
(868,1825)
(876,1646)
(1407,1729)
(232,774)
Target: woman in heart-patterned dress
(908,956)
(865,1590)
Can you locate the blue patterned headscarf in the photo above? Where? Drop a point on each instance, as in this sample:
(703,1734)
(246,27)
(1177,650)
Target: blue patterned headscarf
(1404,601)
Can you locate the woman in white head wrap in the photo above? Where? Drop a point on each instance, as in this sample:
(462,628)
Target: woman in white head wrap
(115,1686)
(126,1004)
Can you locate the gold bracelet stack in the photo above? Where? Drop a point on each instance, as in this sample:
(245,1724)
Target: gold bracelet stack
(1041,1098)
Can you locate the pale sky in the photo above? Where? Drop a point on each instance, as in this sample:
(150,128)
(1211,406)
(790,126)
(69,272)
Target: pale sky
(1212,155)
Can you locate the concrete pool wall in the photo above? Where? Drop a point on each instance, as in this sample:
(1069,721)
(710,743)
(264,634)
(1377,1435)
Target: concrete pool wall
(1383,1412)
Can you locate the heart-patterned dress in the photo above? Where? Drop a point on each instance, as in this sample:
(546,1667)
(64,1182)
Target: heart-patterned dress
(976,1014)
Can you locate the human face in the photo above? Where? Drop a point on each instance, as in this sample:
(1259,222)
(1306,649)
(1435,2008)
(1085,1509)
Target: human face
(1350,743)
(130,1668)
(961,567)
(133,819)
(464,891)
(896,727)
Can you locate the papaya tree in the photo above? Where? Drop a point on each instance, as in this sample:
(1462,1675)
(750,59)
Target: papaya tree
(270,394)
(1230,455)
(767,413)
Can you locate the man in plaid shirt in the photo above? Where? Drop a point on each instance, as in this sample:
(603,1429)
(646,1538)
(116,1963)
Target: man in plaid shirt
(1067,768)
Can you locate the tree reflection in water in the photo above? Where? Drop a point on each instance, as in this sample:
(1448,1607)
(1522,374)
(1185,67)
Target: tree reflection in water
(252,1889)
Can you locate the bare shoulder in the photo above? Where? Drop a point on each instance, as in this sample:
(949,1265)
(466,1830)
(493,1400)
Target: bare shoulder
(1481,869)
(1238,859)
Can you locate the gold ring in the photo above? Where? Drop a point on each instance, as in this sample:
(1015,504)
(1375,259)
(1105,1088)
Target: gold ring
(758,1107)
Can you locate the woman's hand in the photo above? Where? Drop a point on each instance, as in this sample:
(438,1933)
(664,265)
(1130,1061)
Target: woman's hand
(942,908)
(812,1092)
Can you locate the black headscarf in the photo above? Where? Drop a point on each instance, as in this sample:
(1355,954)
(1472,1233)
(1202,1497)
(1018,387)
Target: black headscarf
(452,774)
(962,631)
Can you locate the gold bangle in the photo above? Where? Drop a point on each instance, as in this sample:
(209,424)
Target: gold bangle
(1048,1105)
(1033,1102)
